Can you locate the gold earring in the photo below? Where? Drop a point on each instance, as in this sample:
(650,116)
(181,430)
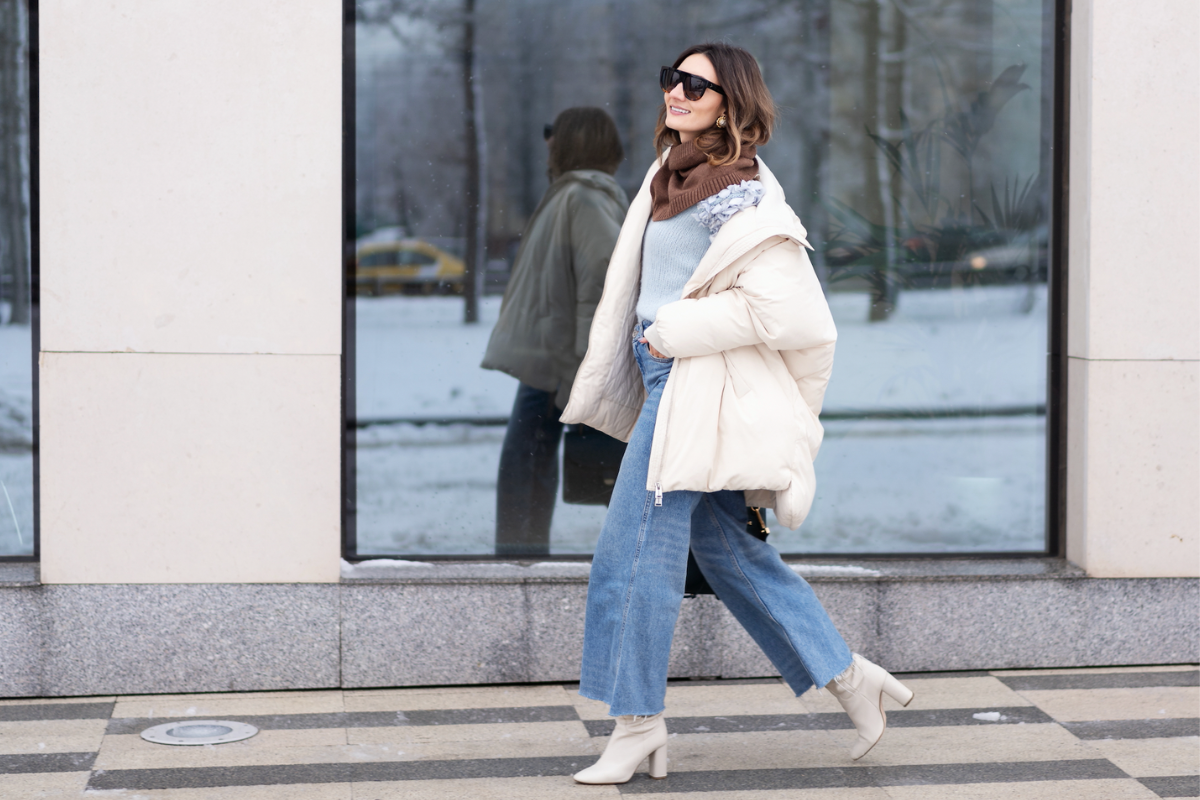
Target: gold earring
(721,120)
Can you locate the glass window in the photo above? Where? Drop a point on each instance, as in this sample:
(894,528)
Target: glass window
(914,142)
(16,347)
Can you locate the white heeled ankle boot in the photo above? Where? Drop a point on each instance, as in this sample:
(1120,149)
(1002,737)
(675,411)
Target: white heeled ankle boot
(860,690)
(634,738)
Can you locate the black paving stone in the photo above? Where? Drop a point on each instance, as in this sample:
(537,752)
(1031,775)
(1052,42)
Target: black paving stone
(836,721)
(368,719)
(859,777)
(1106,680)
(698,781)
(47,711)
(46,762)
(1000,772)
(751,779)
(1173,786)
(1134,728)
(212,777)
(966,673)
(484,716)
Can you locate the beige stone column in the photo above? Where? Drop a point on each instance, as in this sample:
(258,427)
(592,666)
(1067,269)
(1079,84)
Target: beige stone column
(1133,424)
(190,291)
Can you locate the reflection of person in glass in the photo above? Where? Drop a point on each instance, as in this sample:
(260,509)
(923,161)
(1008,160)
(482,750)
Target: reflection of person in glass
(542,333)
(710,353)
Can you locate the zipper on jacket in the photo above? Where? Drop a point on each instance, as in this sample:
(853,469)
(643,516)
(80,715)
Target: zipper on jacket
(658,494)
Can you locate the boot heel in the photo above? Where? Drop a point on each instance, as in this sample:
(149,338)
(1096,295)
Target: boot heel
(897,691)
(658,763)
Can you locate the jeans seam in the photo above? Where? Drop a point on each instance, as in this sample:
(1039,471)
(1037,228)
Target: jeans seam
(637,555)
(737,565)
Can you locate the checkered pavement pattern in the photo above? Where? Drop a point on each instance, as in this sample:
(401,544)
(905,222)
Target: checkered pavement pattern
(1091,734)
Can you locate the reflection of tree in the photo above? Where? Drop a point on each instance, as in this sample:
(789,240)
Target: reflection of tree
(798,72)
(14,208)
(391,14)
(931,232)
(837,68)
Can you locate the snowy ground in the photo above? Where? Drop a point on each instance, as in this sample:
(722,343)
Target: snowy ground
(884,486)
(16,437)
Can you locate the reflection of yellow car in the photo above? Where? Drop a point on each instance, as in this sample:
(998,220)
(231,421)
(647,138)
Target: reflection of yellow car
(406,265)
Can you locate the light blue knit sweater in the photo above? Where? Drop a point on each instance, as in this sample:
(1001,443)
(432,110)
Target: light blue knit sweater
(672,248)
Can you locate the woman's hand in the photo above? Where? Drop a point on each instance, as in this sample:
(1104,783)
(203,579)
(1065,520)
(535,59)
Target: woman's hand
(650,347)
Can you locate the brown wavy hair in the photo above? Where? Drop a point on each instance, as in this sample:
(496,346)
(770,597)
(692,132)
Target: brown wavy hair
(585,138)
(749,109)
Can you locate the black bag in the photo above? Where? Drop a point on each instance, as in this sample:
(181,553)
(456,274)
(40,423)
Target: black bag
(591,461)
(695,583)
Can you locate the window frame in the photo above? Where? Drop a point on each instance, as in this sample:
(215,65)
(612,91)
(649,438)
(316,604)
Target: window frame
(1057,29)
(35,327)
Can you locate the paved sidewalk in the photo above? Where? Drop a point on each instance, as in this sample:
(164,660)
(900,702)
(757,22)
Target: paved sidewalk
(1097,734)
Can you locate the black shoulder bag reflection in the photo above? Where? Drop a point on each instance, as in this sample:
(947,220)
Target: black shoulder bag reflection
(591,461)
(695,583)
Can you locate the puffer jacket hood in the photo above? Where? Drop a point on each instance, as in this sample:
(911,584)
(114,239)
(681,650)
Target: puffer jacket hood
(753,341)
(556,282)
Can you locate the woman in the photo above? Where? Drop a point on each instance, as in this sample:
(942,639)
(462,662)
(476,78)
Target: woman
(542,332)
(710,352)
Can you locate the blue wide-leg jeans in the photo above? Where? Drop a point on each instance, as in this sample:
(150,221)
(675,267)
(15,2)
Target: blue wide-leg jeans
(636,583)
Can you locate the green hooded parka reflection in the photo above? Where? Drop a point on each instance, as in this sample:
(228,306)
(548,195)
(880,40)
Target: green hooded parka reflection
(556,283)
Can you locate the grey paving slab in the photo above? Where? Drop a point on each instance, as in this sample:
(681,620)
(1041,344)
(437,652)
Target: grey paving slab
(1174,786)
(410,635)
(141,639)
(1134,728)
(859,777)
(18,573)
(1101,680)
(999,624)
(45,762)
(43,711)
(749,780)
(22,641)
(205,777)
(514,623)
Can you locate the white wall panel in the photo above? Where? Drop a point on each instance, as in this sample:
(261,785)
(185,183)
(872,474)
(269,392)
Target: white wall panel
(1135,197)
(1134,437)
(190,176)
(1133,464)
(190,468)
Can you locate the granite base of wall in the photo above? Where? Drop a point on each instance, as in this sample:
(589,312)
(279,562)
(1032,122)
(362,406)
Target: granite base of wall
(413,625)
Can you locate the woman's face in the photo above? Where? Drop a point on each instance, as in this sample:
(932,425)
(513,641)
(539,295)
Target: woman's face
(693,117)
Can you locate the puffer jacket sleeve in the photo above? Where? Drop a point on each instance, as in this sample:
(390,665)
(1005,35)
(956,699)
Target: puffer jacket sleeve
(595,224)
(777,300)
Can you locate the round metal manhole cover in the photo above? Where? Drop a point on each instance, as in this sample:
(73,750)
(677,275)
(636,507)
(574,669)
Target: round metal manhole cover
(200,731)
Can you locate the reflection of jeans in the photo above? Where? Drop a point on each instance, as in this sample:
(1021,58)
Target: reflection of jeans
(527,485)
(636,584)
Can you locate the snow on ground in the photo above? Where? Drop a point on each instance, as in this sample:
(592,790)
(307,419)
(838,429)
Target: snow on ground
(883,486)
(416,358)
(16,438)
(895,486)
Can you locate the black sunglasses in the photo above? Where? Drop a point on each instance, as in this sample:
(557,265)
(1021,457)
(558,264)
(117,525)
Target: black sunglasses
(547,132)
(693,85)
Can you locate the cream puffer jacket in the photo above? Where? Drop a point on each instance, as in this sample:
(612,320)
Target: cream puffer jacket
(752,339)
